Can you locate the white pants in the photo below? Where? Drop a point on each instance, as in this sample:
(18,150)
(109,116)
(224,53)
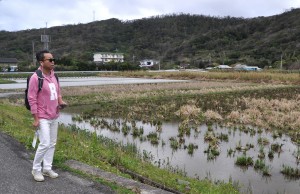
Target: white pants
(45,151)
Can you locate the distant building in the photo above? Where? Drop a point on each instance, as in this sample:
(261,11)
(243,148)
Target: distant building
(184,65)
(6,63)
(252,68)
(242,67)
(223,67)
(105,57)
(148,62)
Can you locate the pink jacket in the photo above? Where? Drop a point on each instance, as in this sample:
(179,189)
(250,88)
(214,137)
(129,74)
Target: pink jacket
(44,102)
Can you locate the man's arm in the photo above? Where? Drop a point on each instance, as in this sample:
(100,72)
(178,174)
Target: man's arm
(61,103)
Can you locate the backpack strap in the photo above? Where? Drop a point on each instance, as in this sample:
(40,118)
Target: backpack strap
(40,78)
(56,78)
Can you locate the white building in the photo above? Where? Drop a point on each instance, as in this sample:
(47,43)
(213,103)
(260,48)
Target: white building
(105,57)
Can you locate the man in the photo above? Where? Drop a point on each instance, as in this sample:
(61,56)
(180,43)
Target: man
(44,107)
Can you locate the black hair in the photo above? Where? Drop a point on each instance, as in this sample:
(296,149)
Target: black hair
(40,55)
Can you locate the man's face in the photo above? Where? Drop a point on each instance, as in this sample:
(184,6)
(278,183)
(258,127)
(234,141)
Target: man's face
(48,62)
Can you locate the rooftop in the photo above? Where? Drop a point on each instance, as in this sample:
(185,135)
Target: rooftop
(8,60)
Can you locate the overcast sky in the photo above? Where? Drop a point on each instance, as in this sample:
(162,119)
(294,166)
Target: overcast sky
(28,14)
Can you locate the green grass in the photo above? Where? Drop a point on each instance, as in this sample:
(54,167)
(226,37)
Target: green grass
(260,165)
(244,161)
(290,172)
(4,81)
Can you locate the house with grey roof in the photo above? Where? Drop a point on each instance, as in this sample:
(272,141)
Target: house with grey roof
(11,63)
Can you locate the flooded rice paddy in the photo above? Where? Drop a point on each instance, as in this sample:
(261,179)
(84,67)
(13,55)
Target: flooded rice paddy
(201,155)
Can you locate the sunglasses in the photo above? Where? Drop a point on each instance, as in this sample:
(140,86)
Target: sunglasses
(50,60)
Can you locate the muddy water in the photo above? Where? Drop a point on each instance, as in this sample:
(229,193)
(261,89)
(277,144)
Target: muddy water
(221,168)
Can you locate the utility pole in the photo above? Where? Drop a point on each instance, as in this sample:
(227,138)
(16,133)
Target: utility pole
(281,57)
(281,62)
(223,58)
(45,39)
(209,59)
(159,65)
(33,55)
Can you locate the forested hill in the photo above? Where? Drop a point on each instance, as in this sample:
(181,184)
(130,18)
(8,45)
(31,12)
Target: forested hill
(173,39)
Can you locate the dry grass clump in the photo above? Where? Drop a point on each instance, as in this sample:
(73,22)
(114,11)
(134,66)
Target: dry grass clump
(188,111)
(280,114)
(211,115)
(234,116)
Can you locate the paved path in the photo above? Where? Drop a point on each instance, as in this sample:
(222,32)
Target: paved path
(91,81)
(16,178)
(87,81)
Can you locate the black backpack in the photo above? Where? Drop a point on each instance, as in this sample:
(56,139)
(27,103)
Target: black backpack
(40,80)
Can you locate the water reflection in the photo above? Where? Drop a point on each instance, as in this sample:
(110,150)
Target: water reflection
(197,164)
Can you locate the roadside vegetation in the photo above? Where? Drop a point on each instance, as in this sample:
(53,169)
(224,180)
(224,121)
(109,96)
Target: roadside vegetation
(4,81)
(269,76)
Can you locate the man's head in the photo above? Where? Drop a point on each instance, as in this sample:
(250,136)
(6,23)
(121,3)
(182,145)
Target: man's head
(40,56)
(45,59)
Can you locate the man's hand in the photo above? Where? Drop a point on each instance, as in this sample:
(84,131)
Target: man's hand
(36,121)
(36,124)
(62,105)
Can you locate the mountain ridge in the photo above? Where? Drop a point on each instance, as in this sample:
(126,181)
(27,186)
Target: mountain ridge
(173,39)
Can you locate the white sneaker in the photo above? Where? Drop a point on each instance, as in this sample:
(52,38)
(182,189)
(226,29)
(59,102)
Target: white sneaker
(37,175)
(50,173)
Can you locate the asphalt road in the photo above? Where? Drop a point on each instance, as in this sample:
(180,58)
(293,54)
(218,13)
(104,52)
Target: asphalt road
(91,81)
(16,178)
